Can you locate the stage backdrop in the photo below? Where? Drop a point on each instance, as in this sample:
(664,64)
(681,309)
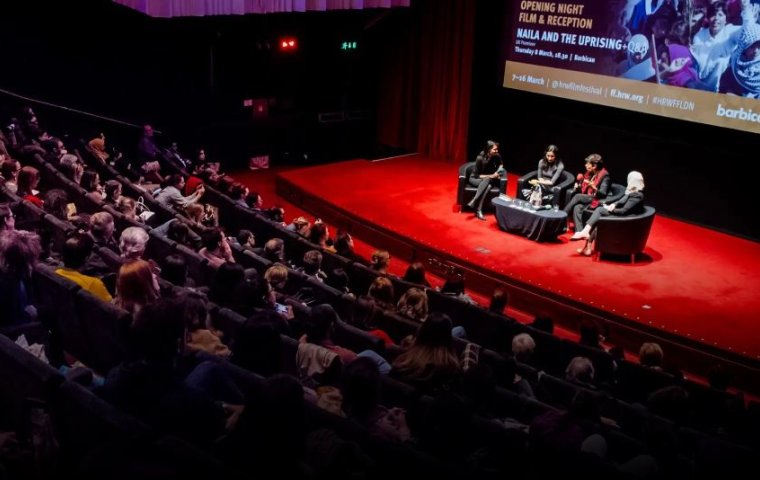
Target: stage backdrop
(674,58)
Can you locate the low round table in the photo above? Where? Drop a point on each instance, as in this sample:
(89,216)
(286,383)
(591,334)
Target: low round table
(518,216)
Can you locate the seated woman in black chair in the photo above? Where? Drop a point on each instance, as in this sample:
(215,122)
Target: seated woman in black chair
(549,171)
(631,203)
(488,168)
(590,188)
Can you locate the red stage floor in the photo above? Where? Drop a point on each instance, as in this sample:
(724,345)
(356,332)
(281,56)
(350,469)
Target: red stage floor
(697,283)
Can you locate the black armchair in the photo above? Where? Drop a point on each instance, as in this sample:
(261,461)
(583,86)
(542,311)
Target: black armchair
(625,235)
(466,192)
(559,191)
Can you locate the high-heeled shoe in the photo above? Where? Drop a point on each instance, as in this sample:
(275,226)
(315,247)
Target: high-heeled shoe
(585,251)
(479,214)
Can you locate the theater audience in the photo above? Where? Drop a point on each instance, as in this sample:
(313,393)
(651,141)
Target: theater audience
(19,251)
(415,273)
(76,250)
(136,286)
(28,181)
(430,364)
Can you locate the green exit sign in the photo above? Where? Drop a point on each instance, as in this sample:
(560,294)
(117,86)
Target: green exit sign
(349,46)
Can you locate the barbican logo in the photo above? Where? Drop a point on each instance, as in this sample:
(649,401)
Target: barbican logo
(738,114)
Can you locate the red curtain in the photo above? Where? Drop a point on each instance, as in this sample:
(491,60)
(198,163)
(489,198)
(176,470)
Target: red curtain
(424,98)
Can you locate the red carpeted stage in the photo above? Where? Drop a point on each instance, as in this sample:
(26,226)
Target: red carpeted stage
(695,290)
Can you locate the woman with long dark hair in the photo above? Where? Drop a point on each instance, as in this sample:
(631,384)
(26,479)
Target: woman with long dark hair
(488,169)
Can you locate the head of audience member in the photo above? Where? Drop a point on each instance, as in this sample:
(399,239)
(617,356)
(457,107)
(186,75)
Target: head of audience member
(671,402)
(174,270)
(213,240)
(551,154)
(431,354)
(56,203)
(158,331)
(246,239)
(580,369)
(98,148)
(277,276)
(361,389)
(194,212)
(102,226)
(175,180)
(381,290)
(132,243)
(364,313)
(381,260)
(179,232)
(136,286)
(257,345)
(413,304)
(523,347)
(127,207)
(499,301)
(253,293)
(238,191)
(9,169)
(254,200)
(344,244)
(7,218)
(113,191)
(19,251)
(318,234)
(55,147)
(147,130)
(274,250)
(543,323)
(28,180)
(76,250)
(90,181)
(275,214)
(338,279)
(321,324)
(72,168)
(590,334)
(415,273)
(312,262)
(226,280)
(196,310)
(454,285)
(651,355)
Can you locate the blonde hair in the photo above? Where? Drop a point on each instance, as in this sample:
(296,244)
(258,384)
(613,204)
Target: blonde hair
(276,274)
(381,259)
(381,290)
(413,304)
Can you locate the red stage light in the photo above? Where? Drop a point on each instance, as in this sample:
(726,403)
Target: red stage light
(288,44)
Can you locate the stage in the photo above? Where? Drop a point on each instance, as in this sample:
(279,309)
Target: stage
(695,290)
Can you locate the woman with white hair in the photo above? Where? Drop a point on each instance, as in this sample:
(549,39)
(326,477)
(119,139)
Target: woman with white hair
(132,243)
(630,204)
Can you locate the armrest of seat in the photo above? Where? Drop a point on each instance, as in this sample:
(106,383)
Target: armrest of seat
(464,173)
